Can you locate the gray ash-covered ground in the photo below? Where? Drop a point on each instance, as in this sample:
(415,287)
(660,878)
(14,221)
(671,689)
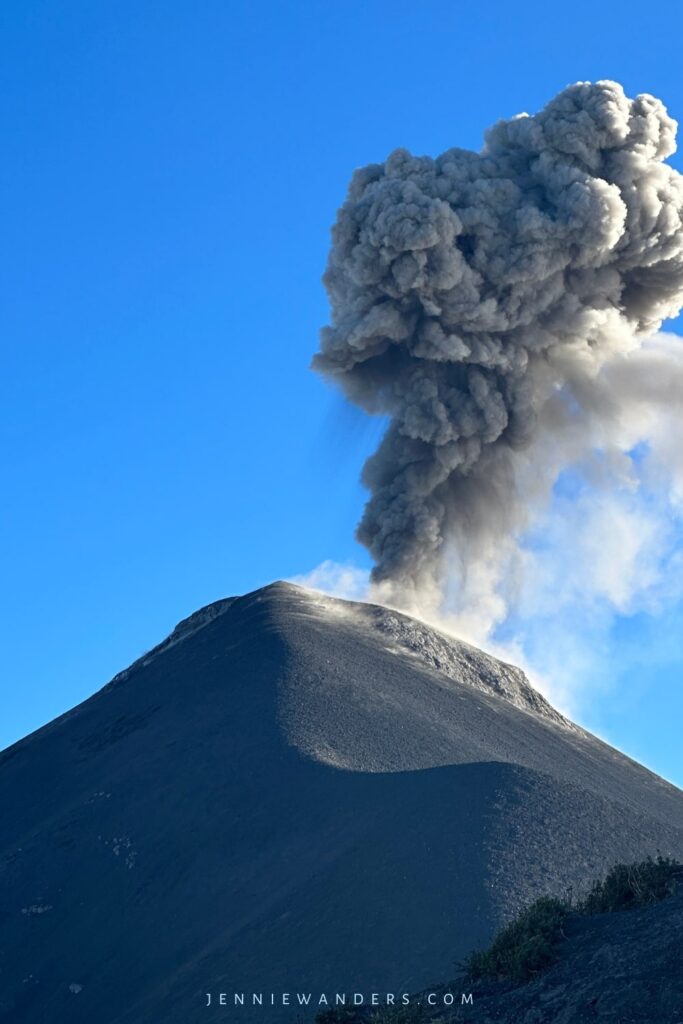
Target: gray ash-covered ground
(295,793)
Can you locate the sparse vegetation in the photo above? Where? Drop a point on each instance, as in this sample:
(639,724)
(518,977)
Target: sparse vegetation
(529,943)
(525,946)
(633,885)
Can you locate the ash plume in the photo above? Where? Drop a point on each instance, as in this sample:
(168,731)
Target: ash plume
(477,300)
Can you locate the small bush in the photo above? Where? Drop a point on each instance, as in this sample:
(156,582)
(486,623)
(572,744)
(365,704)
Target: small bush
(525,946)
(632,885)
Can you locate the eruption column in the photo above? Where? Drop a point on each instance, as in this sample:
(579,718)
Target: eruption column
(471,290)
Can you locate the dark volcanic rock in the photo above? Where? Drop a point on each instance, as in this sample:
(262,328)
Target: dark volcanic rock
(295,793)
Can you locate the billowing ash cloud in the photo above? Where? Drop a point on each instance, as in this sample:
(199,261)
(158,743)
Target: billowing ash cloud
(472,292)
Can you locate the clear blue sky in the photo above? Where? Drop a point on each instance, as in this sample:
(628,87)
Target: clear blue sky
(170,171)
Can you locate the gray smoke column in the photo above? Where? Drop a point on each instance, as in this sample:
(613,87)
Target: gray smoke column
(470,290)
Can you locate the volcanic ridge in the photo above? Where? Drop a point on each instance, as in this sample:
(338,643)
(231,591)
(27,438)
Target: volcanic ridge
(294,793)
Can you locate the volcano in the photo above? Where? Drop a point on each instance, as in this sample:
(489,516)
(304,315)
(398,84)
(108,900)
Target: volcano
(295,794)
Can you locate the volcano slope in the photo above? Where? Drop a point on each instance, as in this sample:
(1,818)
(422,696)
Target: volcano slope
(295,794)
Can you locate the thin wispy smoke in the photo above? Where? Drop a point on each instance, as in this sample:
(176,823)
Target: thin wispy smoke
(496,306)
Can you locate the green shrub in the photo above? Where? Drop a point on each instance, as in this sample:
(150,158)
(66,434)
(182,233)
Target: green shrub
(632,885)
(528,944)
(525,946)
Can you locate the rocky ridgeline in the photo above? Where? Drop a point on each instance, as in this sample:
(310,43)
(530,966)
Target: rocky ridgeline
(464,663)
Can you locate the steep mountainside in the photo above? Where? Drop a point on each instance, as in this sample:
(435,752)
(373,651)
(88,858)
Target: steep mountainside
(294,793)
